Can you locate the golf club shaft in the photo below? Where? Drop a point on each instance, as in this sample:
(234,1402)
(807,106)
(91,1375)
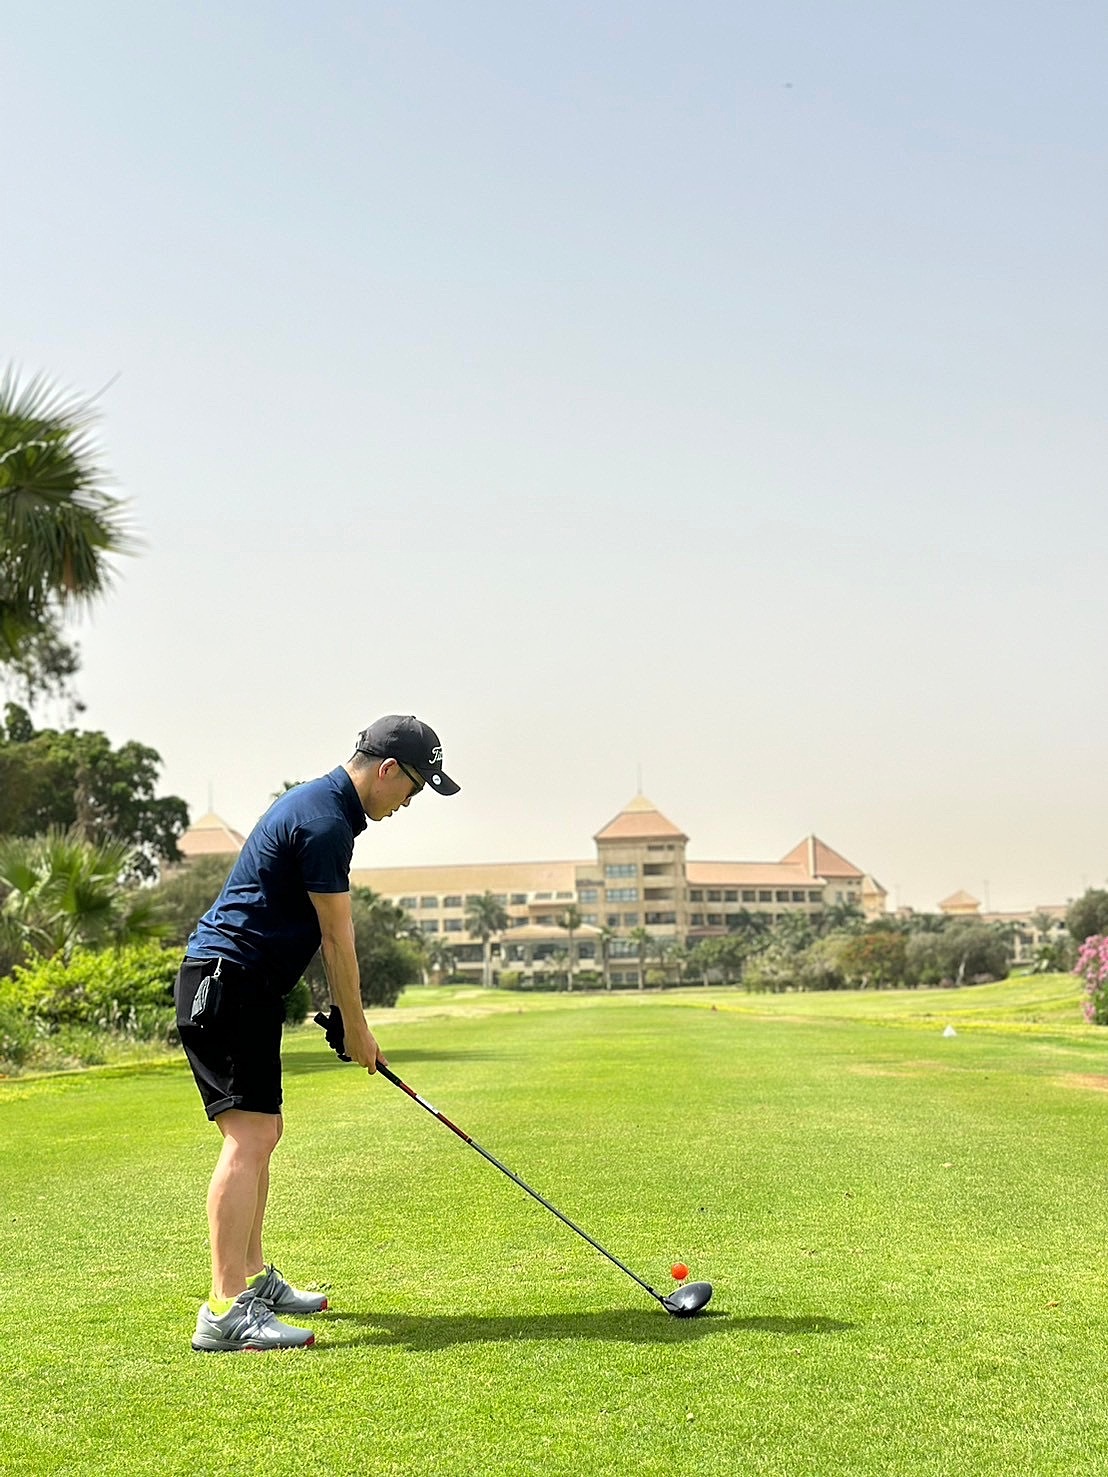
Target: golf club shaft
(503,1168)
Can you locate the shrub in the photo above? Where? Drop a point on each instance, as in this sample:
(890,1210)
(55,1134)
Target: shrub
(297,1003)
(128,990)
(1092,967)
(17,1037)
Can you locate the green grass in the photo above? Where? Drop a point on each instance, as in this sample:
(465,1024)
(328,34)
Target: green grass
(905,1233)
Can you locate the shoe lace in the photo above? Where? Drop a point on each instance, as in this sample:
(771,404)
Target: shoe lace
(259,1315)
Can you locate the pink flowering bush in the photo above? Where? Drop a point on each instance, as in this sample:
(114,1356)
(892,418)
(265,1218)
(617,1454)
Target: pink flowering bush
(1092,967)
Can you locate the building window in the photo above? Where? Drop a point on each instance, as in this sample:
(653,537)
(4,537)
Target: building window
(661,919)
(500,898)
(714,895)
(409,903)
(613,920)
(715,920)
(799,897)
(749,895)
(588,895)
(696,895)
(731,896)
(429,925)
(765,897)
(519,899)
(630,920)
(623,894)
(591,919)
(453,901)
(621,869)
(453,925)
(621,948)
(782,895)
(586,951)
(815,897)
(697,920)
(428,902)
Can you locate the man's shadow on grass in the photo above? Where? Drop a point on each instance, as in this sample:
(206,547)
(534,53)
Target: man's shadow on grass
(423,1334)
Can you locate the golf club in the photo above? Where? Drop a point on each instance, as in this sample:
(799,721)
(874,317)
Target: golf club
(684,1303)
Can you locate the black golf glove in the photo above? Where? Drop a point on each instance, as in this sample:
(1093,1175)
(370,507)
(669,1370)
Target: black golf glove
(336,1034)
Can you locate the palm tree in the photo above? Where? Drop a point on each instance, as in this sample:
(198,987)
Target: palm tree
(59,527)
(60,891)
(604,944)
(484,917)
(438,957)
(571,921)
(644,943)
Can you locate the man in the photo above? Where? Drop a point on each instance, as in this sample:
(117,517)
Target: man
(288,894)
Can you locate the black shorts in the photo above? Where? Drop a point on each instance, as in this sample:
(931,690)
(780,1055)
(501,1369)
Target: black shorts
(235,1054)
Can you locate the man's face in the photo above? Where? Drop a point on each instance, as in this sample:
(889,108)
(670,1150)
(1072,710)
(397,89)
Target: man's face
(392,788)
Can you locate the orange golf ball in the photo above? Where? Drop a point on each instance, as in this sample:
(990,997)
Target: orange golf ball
(680,1271)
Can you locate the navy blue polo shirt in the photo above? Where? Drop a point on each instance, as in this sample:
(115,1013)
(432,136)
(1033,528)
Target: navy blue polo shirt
(264,919)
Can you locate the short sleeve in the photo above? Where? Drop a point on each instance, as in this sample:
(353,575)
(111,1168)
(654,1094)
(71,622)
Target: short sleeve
(324,847)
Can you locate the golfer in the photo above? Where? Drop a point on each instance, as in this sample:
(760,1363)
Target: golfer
(287,896)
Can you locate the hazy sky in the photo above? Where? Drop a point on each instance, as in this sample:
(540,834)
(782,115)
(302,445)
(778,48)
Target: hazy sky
(713,388)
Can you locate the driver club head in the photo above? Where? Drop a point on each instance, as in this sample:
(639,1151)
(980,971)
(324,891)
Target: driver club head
(688,1300)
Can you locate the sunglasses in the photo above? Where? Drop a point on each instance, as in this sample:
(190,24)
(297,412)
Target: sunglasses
(417,783)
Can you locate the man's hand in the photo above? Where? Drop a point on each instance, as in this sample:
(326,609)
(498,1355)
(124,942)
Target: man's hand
(361,1047)
(335,1027)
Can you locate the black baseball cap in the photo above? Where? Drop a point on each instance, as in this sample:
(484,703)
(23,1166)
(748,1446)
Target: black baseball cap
(404,737)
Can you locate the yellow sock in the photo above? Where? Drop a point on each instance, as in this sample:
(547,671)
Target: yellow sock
(254,1278)
(219,1306)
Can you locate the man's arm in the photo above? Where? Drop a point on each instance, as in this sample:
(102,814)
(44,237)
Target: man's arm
(341,963)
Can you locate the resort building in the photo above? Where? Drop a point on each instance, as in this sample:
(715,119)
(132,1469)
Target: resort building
(639,885)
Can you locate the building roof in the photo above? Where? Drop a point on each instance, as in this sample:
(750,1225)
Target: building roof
(211,836)
(546,931)
(959,899)
(640,820)
(472,877)
(820,861)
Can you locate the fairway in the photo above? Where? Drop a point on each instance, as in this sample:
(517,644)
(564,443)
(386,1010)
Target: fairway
(905,1233)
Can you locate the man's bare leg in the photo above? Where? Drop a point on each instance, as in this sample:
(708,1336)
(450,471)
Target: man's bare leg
(237,1197)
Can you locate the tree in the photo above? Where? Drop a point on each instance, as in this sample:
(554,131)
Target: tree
(438,957)
(388,959)
(484,917)
(571,921)
(1088,915)
(874,959)
(604,944)
(793,932)
(644,943)
(183,895)
(841,918)
(60,891)
(74,779)
(59,527)
(963,951)
(725,956)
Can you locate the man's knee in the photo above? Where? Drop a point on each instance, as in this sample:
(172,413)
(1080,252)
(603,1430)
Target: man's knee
(256,1134)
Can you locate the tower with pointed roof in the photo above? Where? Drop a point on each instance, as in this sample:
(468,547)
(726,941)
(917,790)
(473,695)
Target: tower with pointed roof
(640,870)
